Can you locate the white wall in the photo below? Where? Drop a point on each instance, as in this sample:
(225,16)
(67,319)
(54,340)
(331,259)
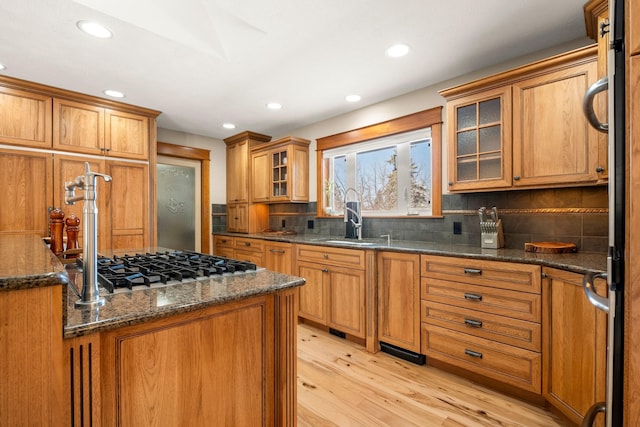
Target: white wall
(217,156)
(401,105)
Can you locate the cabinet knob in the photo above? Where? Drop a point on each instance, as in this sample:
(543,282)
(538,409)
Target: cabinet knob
(247,244)
(326,256)
(516,178)
(450,183)
(325,270)
(599,169)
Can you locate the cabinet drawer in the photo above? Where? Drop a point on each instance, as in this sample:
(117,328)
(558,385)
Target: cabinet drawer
(246,244)
(223,241)
(506,330)
(504,275)
(511,365)
(335,256)
(249,256)
(519,305)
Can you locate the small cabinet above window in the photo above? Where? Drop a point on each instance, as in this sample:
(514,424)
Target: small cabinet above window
(280,171)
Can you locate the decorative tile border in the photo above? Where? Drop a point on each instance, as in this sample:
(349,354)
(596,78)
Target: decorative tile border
(554,211)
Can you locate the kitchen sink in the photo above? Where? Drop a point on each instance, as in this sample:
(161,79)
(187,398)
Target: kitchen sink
(350,242)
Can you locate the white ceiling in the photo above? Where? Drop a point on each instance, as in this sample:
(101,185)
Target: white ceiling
(207,62)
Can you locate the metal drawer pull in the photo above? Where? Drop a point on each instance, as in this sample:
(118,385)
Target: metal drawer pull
(474,271)
(473,297)
(473,353)
(325,270)
(474,323)
(276,251)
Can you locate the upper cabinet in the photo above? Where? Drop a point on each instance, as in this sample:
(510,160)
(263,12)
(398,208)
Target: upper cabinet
(280,171)
(92,129)
(25,118)
(525,128)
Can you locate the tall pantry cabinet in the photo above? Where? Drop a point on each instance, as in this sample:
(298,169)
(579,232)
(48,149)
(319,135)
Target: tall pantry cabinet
(47,135)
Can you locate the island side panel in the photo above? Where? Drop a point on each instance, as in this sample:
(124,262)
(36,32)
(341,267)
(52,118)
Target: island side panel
(214,366)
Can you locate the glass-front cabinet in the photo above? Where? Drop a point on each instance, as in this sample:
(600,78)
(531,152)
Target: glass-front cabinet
(280,171)
(479,157)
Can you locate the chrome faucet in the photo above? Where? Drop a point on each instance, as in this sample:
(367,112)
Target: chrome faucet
(356,213)
(90,295)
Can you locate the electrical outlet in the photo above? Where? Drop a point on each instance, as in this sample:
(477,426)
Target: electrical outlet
(457,227)
(283,223)
(310,224)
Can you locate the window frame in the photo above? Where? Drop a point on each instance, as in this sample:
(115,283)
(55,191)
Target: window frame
(431,118)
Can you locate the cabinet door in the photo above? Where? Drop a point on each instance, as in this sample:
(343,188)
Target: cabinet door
(298,174)
(126,135)
(633,38)
(602,100)
(27,192)
(279,175)
(25,118)
(552,141)
(260,170)
(78,127)
(574,341)
(67,168)
(238,217)
(237,173)
(278,257)
(312,297)
(399,300)
(480,135)
(127,212)
(346,294)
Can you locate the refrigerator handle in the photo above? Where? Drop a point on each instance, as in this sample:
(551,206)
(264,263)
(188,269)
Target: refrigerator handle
(587,104)
(589,289)
(591,414)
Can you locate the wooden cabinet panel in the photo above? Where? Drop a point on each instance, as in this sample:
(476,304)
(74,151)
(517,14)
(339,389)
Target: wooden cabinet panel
(223,246)
(346,295)
(278,256)
(552,141)
(128,206)
(574,345)
(503,329)
(511,365)
(213,366)
(31,373)
(260,169)
(25,118)
(246,244)
(399,299)
(519,305)
(237,173)
(27,193)
(126,135)
(78,127)
(633,38)
(312,297)
(244,255)
(332,256)
(82,368)
(497,274)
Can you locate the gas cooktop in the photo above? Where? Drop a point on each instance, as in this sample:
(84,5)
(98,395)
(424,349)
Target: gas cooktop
(148,270)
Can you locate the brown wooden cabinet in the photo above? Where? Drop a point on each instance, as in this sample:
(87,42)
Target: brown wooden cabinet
(483,316)
(334,293)
(92,129)
(278,256)
(506,130)
(26,178)
(223,246)
(251,250)
(243,216)
(31,374)
(25,118)
(399,299)
(574,344)
(280,171)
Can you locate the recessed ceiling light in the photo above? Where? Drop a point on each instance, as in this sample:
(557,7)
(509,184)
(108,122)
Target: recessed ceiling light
(398,50)
(353,98)
(95,29)
(229,126)
(274,106)
(2,67)
(114,93)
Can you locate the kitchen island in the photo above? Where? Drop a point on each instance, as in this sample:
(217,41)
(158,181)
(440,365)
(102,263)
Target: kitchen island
(218,351)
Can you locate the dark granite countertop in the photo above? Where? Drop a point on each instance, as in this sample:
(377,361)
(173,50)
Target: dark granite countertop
(579,262)
(27,262)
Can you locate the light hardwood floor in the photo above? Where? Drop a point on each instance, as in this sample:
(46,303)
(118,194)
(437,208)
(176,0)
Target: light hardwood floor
(341,384)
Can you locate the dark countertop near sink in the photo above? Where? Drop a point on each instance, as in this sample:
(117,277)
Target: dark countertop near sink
(579,262)
(27,262)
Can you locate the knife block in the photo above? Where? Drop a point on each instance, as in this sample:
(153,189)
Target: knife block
(492,236)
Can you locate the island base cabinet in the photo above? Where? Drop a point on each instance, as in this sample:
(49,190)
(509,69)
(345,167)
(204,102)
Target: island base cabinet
(230,365)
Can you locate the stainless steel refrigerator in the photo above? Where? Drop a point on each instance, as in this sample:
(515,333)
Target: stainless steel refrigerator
(613,302)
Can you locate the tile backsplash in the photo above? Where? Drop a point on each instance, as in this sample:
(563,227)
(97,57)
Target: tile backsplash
(576,215)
